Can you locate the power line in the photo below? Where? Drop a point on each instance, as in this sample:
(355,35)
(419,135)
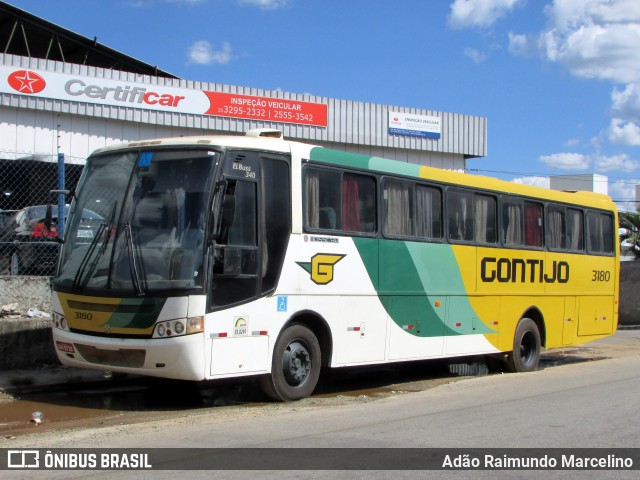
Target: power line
(631,181)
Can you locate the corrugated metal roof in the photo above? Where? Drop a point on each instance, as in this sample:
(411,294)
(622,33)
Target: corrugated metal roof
(22,33)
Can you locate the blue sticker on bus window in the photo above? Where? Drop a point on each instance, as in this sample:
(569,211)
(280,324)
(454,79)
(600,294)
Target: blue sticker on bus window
(145,159)
(282,304)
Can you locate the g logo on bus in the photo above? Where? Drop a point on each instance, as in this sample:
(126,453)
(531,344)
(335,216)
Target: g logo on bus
(321,267)
(107,328)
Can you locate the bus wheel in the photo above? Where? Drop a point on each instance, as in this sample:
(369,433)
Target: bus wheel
(526,348)
(295,367)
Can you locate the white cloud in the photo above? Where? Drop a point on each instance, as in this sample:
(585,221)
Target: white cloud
(623,133)
(624,193)
(202,53)
(595,38)
(567,161)
(626,103)
(479,13)
(620,162)
(266,4)
(543,182)
(518,44)
(601,163)
(475,55)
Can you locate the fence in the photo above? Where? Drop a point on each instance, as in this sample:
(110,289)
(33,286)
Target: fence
(28,246)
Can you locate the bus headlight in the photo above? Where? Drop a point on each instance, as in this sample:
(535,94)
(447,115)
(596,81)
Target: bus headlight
(172,328)
(178,328)
(195,325)
(161,330)
(60,321)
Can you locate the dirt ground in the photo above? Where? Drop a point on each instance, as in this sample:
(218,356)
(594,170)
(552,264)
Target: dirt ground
(84,405)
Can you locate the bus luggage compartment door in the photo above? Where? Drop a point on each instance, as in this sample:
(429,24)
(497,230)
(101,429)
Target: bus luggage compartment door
(239,355)
(596,316)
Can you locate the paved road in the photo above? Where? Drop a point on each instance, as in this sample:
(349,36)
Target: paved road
(585,404)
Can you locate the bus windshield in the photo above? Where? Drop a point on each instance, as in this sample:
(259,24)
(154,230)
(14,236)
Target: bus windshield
(152,208)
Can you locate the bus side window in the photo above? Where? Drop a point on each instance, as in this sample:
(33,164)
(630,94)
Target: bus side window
(522,223)
(398,208)
(322,199)
(574,229)
(534,224)
(565,228)
(512,223)
(358,203)
(337,201)
(428,215)
(484,214)
(460,215)
(235,256)
(276,224)
(599,233)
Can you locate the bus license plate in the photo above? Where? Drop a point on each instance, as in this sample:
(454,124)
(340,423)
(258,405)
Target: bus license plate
(65,347)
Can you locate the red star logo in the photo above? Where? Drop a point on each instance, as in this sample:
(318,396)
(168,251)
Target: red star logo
(24,81)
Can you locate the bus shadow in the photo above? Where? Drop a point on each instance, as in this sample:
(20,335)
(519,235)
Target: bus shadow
(142,395)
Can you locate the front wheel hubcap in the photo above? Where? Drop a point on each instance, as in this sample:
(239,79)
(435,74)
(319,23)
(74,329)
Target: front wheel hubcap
(296,364)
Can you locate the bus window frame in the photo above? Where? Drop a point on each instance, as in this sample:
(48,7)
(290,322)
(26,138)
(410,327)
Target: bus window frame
(415,184)
(547,218)
(614,239)
(341,172)
(521,200)
(473,192)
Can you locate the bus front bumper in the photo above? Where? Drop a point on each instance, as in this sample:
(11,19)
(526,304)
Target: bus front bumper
(180,357)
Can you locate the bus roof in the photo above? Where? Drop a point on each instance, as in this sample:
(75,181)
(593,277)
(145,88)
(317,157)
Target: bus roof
(268,140)
(449,177)
(236,141)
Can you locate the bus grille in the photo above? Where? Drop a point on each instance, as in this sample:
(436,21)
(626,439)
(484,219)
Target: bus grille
(127,357)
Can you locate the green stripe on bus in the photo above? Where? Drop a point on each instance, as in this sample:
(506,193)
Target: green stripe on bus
(364,162)
(136,313)
(408,276)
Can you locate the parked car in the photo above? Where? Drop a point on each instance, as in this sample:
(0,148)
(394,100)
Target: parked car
(5,215)
(28,247)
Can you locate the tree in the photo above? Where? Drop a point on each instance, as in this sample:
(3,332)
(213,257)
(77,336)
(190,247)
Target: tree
(631,240)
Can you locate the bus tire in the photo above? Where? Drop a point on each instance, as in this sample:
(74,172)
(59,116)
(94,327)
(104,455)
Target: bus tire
(526,348)
(295,367)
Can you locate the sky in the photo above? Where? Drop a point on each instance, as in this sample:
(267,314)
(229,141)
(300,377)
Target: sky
(557,80)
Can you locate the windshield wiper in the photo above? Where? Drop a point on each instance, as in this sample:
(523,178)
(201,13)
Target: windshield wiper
(85,260)
(132,259)
(103,228)
(109,227)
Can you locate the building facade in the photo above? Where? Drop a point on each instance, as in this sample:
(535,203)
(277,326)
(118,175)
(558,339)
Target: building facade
(49,108)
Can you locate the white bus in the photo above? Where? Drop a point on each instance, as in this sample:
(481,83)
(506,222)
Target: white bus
(228,256)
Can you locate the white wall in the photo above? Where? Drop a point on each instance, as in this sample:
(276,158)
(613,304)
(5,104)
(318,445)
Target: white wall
(28,133)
